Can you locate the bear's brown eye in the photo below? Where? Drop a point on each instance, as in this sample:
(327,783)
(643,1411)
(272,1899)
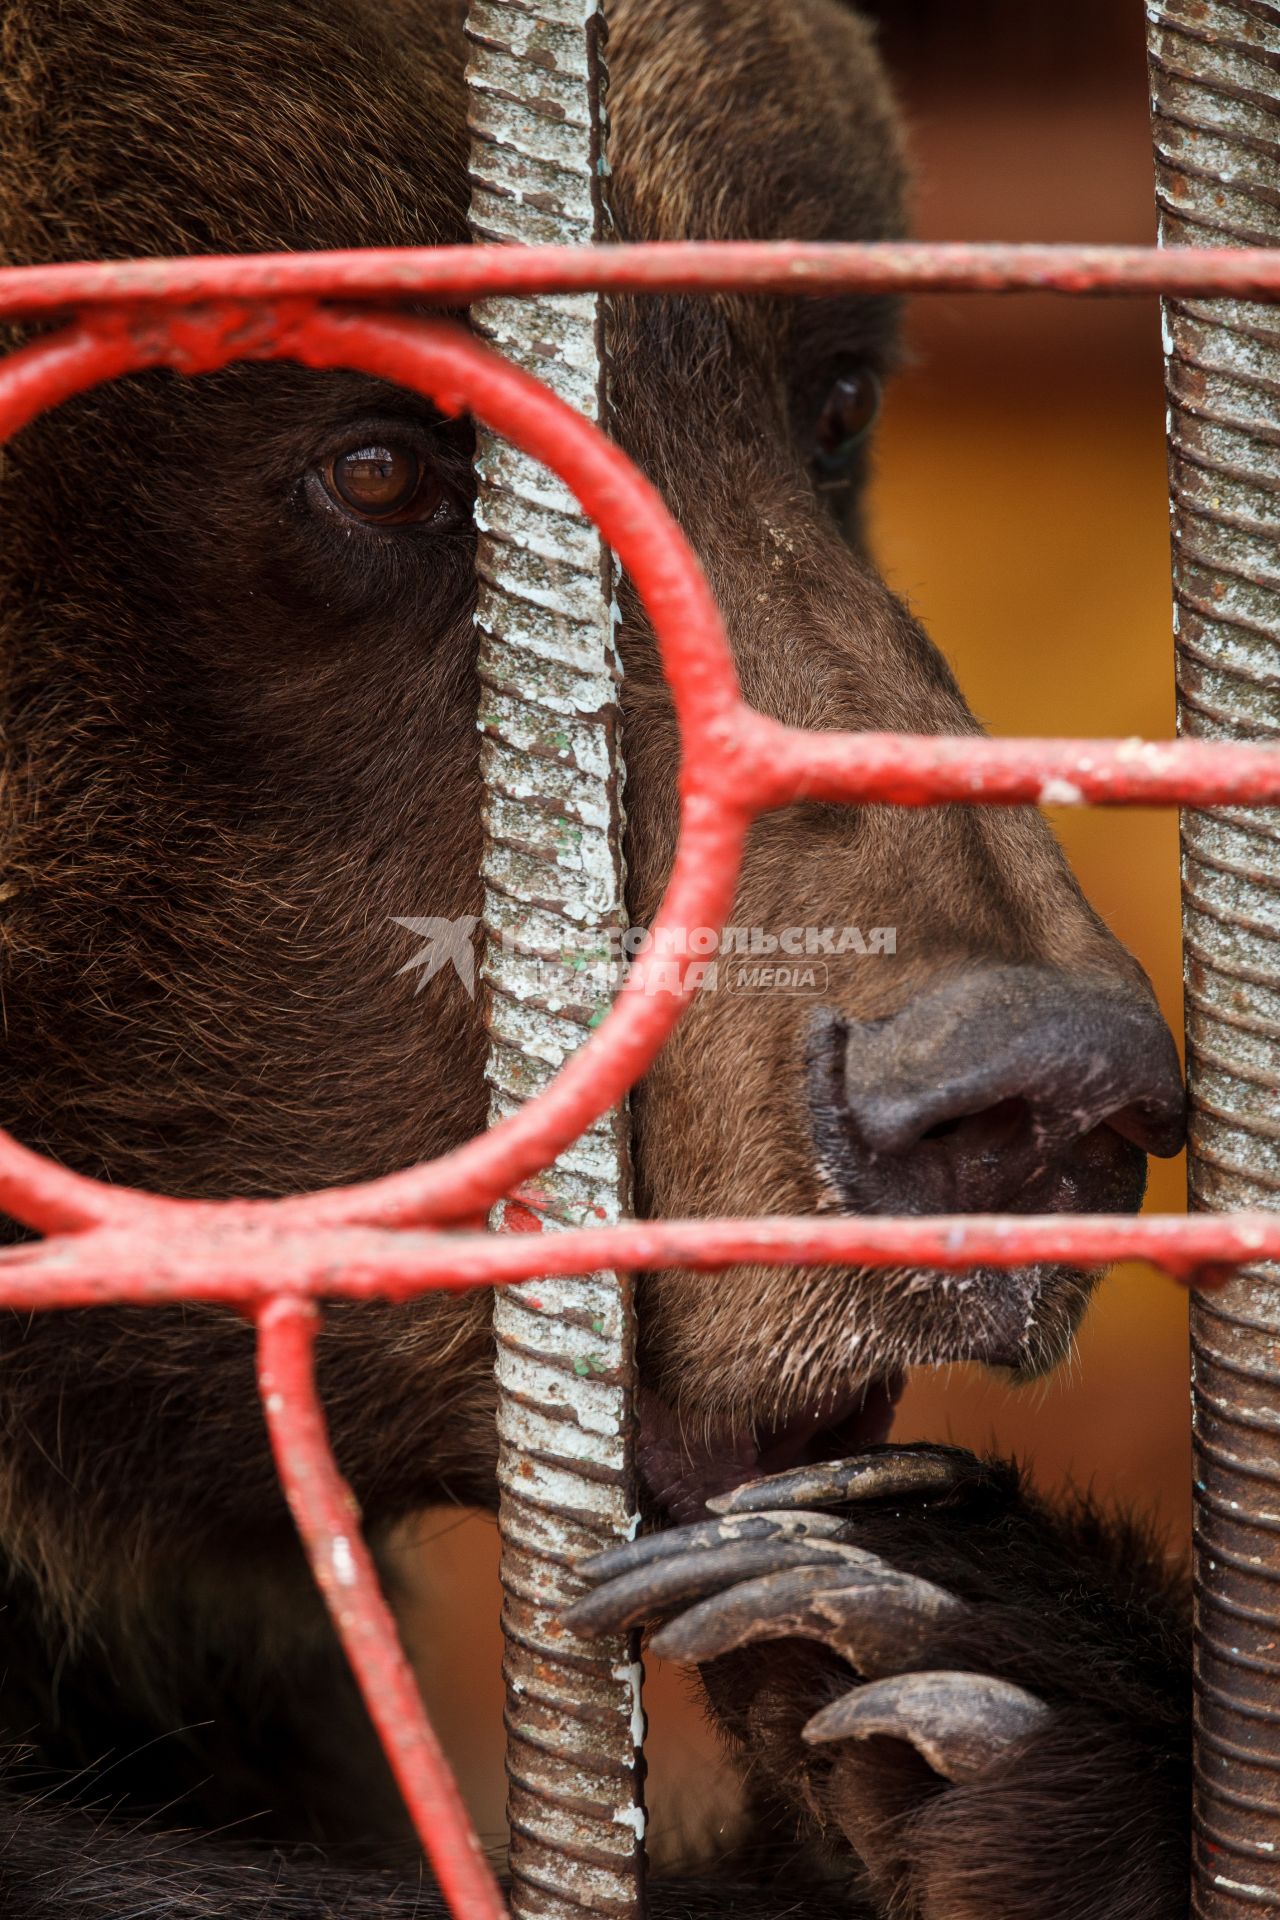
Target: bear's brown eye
(846,419)
(383,483)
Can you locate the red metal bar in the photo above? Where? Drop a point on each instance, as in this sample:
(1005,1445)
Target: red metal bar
(242,1261)
(780,765)
(454,276)
(328,1520)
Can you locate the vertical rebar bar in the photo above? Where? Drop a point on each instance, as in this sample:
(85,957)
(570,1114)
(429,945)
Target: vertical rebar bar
(1215,84)
(554,911)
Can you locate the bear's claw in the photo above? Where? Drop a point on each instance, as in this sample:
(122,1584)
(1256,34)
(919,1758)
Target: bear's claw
(671,1580)
(704,1534)
(878,1473)
(873,1616)
(961,1724)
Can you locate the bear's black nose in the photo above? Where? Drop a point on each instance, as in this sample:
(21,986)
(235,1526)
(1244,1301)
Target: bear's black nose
(1017,1088)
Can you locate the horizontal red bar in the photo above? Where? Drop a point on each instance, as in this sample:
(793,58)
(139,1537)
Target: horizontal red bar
(454,276)
(207,1256)
(775,765)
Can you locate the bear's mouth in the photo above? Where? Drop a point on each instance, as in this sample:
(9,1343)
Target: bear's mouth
(682,1468)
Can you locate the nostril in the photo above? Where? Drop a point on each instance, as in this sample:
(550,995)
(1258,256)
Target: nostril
(1005,1117)
(1131,1123)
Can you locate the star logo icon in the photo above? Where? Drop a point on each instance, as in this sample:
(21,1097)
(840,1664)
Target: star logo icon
(447,943)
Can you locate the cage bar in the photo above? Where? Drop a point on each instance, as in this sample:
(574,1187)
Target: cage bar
(554,916)
(1217,138)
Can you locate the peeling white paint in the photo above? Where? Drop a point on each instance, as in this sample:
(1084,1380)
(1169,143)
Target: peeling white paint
(632,1674)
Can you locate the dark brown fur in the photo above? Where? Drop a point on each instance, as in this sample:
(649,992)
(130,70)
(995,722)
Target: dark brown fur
(236,744)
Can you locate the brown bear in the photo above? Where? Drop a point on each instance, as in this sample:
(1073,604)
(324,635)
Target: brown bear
(239,703)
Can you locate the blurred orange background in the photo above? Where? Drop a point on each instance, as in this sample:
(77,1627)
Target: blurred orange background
(1020,506)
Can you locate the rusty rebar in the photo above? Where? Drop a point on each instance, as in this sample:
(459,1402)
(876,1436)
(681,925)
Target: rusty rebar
(1215,80)
(554,914)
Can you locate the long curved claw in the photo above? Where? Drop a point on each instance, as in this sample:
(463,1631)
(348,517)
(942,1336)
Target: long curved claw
(704,1535)
(961,1724)
(876,1618)
(881,1473)
(657,1588)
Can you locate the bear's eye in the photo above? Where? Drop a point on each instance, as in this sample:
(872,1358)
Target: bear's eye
(385,483)
(847,417)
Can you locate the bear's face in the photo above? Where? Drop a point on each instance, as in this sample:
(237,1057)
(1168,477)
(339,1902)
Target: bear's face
(240,704)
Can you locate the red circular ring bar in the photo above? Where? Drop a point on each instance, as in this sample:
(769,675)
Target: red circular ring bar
(448,366)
